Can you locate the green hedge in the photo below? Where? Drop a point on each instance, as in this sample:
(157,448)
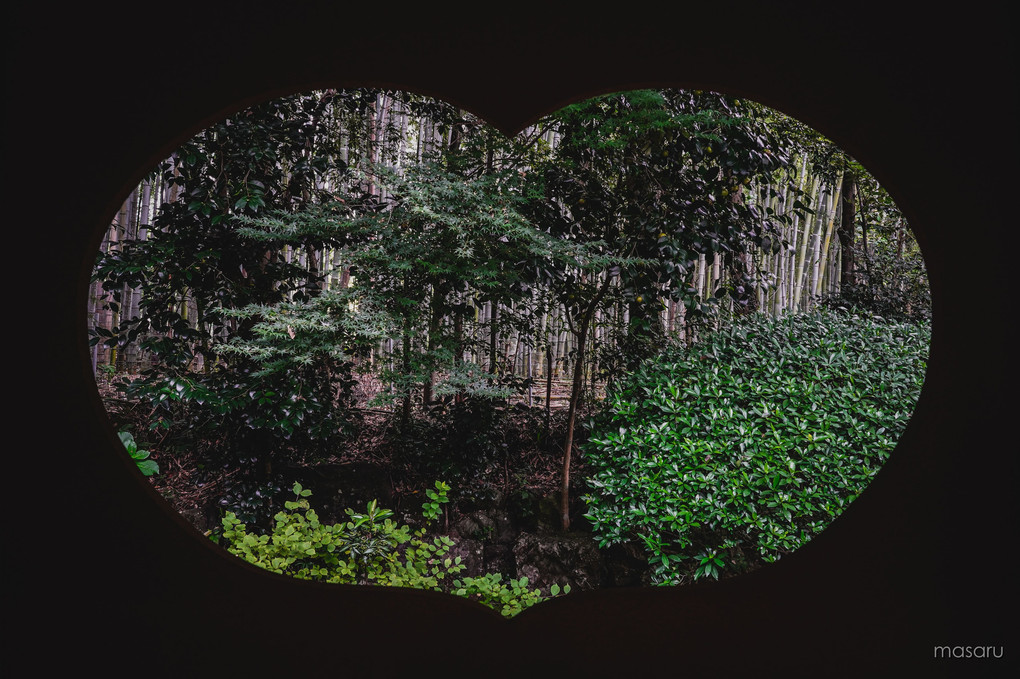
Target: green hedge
(737,450)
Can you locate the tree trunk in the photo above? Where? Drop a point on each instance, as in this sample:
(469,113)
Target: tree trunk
(435,321)
(458,339)
(405,414)
(798,276)
(581,334)
(575,392)
(548,385)
(493,337)
(848,192)
(817,288)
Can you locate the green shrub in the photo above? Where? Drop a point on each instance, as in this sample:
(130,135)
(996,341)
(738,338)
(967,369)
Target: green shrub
(141,457)
(891,284)
(739,449)
(460,439)
(510,598)
(253,502)
(247,410)
(371,548)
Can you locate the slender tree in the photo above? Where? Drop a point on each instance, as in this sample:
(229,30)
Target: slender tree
(639,187)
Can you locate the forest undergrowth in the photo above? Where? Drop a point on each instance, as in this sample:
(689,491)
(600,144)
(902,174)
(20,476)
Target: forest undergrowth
(526,453)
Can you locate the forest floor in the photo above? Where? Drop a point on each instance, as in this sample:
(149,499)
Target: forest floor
(529,439)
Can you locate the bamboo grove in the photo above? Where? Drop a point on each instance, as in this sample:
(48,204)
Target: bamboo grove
(287,256)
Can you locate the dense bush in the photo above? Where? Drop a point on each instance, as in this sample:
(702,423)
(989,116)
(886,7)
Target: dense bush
(739,449)
(247,416)
(305,404)
(476,440)
(455,439)
(890,285)
(371,548)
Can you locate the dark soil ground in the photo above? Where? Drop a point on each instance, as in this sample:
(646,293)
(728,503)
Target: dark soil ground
(501,502)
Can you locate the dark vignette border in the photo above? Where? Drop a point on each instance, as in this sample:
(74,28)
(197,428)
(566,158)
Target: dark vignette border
(103,576)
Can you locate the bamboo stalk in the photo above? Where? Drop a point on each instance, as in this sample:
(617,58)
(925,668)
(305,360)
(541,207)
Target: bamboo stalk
(801,259)
(830,228)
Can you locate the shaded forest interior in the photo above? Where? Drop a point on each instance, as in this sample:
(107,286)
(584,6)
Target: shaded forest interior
(378,278)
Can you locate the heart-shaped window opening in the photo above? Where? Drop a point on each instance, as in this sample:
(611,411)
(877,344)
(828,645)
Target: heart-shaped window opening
(361,336)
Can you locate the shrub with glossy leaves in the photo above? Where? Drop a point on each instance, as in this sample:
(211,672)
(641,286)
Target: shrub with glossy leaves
(141,457)
(737,450)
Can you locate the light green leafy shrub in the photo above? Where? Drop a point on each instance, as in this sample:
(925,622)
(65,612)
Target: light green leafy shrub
(371,549)
(737,450)
(510,598)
